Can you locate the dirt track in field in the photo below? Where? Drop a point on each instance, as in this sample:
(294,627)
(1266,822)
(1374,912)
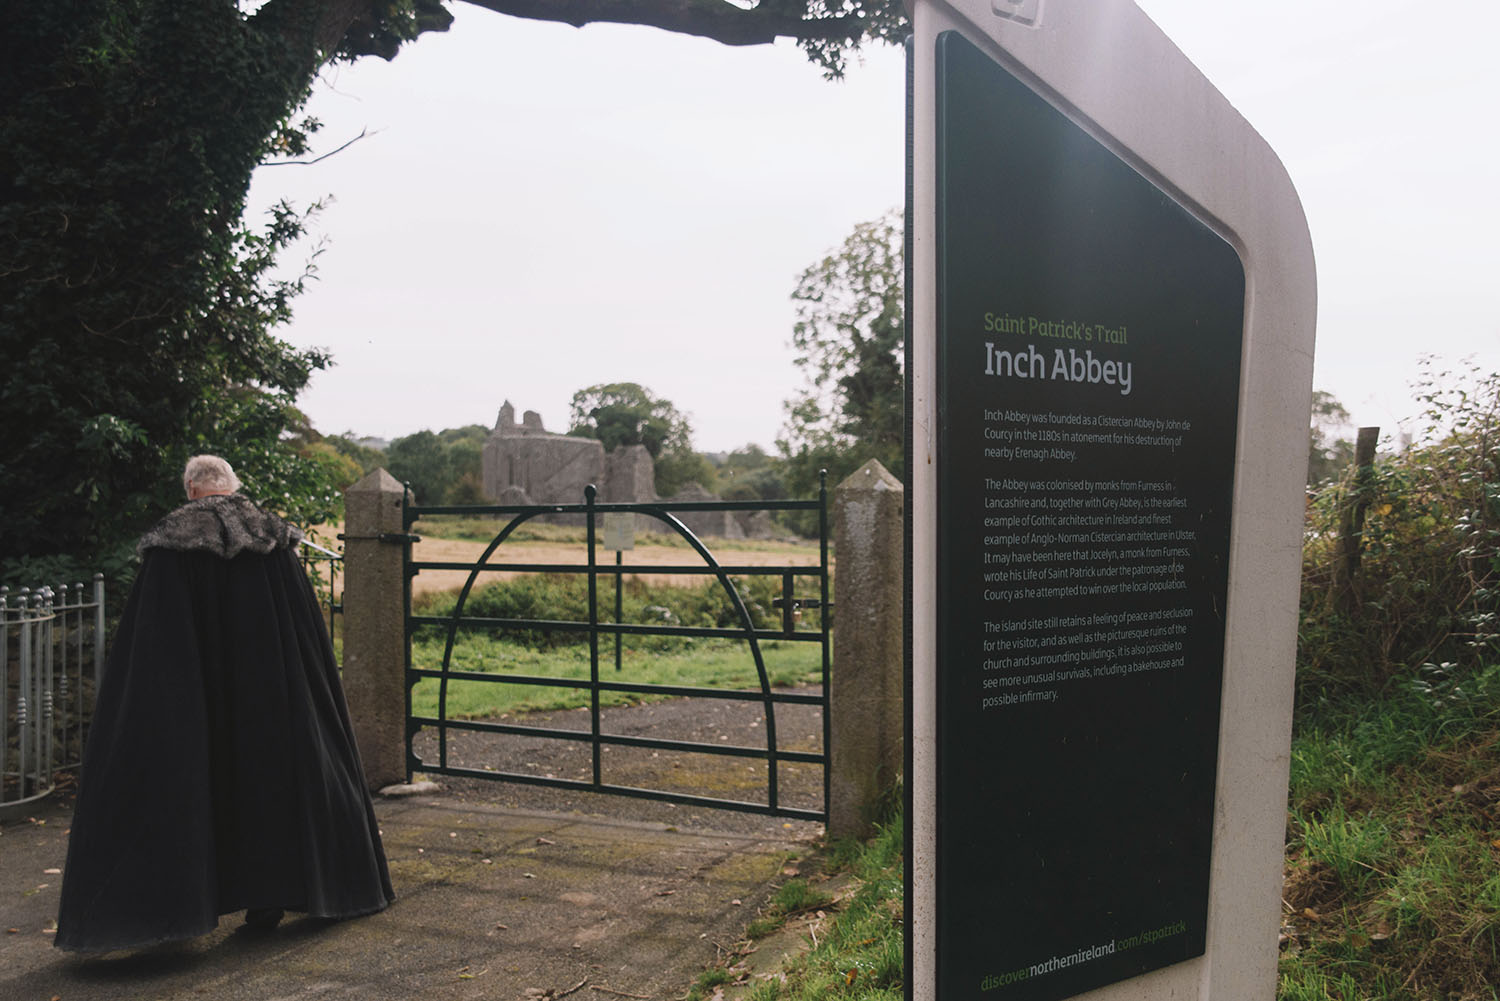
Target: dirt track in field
(456,551)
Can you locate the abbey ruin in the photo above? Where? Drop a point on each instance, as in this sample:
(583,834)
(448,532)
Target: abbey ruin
(526,464)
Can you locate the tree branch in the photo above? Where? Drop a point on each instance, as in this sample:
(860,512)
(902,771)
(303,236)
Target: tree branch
(311,29)
(317,159)
(714,19)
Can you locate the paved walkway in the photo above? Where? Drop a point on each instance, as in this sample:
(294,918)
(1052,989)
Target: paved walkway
(493,902)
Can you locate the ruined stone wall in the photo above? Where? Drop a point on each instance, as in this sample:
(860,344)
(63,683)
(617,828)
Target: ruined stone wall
(528,461)
(629,476)
(703,523)
(527,464)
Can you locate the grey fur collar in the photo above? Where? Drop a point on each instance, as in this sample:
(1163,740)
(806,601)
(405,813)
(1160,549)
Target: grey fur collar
(223,524)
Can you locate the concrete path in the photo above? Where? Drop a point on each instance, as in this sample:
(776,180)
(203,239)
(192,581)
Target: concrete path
(493,903)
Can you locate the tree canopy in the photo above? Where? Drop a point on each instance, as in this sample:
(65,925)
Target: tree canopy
(850,343)
(626,413)
(827,30)
(748,473)
(1329,451)
(441,468)
(136,306)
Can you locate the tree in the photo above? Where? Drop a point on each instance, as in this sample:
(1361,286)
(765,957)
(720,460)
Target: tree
(748,473)
(850,342)
(420,461)
(465,448)
(365,459)
(1328,453)
(134,303)
(441,468)
(135,306)
(625,413)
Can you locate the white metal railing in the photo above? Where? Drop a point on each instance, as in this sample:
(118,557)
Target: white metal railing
(51,661)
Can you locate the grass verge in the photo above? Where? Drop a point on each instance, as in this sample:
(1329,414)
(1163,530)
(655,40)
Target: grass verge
(1393,848)
(854,951)
(1392,888)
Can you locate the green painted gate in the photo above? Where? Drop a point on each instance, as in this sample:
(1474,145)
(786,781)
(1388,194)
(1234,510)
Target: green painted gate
(802,588)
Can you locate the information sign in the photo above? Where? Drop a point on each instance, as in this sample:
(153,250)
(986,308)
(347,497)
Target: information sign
(619,532)
(1111,301)
(1088,367)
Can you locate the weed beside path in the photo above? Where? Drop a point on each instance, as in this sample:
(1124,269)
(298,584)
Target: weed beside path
(832,930)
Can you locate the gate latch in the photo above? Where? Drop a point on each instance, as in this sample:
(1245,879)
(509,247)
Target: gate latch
(399,537)
(791,610)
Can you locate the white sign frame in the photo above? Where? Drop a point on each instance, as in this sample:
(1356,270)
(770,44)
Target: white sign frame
(1112,71)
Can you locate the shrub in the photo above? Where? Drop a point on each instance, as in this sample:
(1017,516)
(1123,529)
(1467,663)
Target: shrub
(1427,589)
(564,598)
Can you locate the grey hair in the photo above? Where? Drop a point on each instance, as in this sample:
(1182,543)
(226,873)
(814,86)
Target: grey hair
(209,472)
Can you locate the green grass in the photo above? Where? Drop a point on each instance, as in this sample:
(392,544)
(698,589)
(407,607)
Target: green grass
(796,896)
(1393,851)
(860,952)
(709,664)
(857,950)
(710,978)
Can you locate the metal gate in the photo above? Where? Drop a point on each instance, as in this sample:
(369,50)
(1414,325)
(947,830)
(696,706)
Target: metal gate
(790,605)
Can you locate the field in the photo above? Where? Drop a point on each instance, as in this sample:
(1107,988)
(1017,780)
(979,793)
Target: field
(669,599)
(466,542)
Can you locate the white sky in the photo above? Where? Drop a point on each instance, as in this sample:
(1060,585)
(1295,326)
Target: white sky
(540,208)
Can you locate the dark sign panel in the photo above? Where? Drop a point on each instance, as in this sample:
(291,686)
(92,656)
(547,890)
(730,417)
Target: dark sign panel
(1089,335)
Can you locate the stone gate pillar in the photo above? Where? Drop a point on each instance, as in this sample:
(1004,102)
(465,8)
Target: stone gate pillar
(375,627)
(866,688)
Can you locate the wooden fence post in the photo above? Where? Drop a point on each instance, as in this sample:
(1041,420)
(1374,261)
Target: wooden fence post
(1352,524)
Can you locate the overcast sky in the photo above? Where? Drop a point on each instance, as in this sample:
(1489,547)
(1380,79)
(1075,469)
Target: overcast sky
(537,208)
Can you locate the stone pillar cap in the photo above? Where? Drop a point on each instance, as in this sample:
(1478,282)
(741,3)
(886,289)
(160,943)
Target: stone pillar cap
(871,476)
(377,482)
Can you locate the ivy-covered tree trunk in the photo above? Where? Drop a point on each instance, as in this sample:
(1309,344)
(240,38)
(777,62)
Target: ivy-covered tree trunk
(131,296)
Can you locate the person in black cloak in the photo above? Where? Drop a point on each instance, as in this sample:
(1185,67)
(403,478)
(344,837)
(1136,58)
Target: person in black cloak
(221,772)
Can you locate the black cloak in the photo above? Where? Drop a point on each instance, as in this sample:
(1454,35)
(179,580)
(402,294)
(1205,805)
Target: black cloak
(221,772)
